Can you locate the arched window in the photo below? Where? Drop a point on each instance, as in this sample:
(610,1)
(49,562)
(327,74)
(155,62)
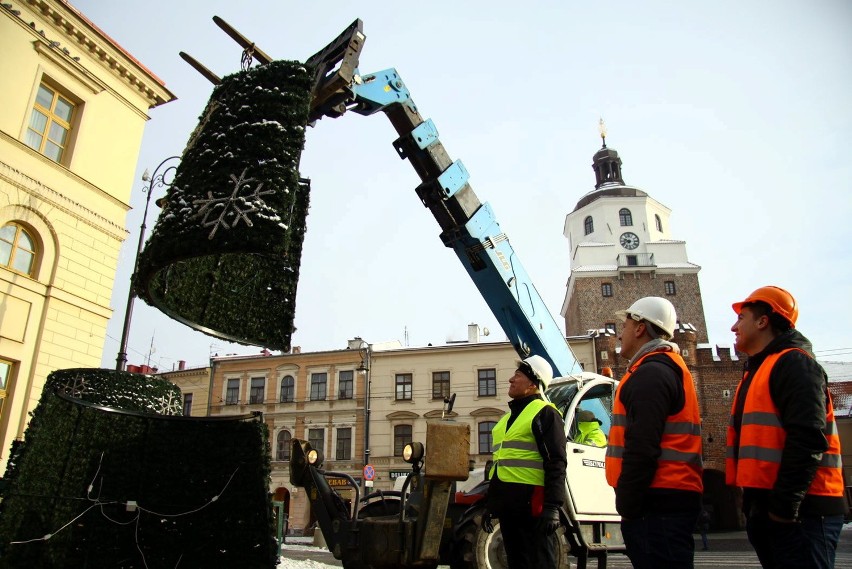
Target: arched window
(659,223)
(625,217)
(588,225)
(284,440)
(288,389)
(17,249)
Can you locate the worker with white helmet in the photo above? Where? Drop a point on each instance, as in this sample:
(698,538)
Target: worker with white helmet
(527,479)
(653,459)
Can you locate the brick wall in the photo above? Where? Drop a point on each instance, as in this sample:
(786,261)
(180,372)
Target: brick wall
(588,308)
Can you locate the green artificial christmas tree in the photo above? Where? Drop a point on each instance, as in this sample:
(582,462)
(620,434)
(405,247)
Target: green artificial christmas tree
(224,255)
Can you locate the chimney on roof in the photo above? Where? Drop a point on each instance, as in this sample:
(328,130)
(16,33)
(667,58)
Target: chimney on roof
(473,333)
(181,365)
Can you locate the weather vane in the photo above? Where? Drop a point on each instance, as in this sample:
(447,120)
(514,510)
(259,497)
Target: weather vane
(602,130)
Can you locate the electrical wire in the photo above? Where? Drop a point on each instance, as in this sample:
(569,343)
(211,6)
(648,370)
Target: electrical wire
(97,503)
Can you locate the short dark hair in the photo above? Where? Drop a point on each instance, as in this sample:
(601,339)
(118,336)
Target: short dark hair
(778,323)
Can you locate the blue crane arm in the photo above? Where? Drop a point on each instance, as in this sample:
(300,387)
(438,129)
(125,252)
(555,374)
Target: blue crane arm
(468,226)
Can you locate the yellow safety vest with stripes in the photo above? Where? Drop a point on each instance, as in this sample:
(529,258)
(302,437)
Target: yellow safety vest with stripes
(516,457)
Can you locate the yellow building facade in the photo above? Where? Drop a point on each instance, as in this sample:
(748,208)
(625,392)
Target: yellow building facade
(74,109)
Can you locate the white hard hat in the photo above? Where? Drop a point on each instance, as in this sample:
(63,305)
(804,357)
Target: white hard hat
(653,309)
(539,367)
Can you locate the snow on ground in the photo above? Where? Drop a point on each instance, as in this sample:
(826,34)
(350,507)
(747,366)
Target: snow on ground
(306,545)
(306,564)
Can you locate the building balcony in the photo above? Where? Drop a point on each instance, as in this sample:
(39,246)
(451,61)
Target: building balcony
(632,262)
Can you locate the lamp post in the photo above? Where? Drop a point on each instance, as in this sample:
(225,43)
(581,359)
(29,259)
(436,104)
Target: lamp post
(364,369)
(155,180)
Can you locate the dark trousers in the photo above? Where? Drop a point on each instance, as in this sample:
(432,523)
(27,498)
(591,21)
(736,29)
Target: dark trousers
(526,546)
(809,542)
(657,541)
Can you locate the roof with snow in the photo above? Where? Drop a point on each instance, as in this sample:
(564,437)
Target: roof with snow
(594,268)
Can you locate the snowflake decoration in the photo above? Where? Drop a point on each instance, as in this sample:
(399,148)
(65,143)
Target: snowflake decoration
(76,387)
(169,404)
(242,205)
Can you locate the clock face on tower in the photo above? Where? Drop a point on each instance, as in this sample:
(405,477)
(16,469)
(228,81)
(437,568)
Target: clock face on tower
(629,240)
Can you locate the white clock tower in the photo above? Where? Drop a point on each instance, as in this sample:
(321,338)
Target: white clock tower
(621,250)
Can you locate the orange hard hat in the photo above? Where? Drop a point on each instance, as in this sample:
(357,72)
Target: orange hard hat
(781,302)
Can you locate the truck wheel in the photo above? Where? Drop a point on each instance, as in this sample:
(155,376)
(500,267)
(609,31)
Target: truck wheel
(478,549)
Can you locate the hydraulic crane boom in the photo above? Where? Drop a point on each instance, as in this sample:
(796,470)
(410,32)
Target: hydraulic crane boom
(468,226)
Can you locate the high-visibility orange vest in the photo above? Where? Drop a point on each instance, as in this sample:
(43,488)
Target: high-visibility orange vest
(753,458)
(679,466)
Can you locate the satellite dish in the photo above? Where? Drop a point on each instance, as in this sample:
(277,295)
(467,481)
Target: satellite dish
(485,331)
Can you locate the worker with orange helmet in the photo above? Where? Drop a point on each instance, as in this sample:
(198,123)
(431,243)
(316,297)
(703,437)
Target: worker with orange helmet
(783,446)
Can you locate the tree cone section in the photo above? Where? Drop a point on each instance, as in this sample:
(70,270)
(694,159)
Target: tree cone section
(224,255)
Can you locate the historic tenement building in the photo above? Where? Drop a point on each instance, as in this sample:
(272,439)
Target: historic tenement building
(361,404)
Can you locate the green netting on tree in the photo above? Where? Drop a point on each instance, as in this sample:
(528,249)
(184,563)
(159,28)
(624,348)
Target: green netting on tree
(200,485)
(224,255)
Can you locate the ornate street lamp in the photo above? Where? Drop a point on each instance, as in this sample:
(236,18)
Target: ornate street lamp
(156,180)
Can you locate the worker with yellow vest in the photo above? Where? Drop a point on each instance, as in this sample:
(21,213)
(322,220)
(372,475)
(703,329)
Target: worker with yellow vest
(526,489)
(783,446)
(653,459)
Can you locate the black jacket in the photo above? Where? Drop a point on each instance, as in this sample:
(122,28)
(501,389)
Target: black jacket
(513,499)
(798,387)
(654,392)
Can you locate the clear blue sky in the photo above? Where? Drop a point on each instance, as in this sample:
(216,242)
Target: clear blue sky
(736,115)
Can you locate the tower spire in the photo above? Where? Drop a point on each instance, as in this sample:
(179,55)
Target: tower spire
(606,163)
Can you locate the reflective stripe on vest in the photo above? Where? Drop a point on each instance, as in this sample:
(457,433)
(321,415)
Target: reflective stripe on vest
(516,457)
(753,458)
(679,466)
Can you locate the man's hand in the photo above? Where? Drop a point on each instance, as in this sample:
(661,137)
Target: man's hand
(487,522)
(781,520)
(548,523)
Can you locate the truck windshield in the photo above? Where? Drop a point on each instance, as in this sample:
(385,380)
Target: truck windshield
(597,400)
(561,395)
